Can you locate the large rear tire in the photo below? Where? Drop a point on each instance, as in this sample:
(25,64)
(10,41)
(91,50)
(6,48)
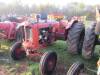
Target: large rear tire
(48,63)
(76,69)
(17,52)
(75,38)
(89,42)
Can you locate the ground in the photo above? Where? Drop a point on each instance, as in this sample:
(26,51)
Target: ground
(29,67)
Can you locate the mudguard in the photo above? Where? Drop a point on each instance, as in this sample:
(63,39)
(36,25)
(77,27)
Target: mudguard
(71,22)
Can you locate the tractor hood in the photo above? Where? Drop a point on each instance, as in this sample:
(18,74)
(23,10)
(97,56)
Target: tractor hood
(6,25)
(25,23)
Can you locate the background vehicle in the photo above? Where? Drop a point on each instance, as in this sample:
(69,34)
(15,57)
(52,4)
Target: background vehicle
(8,30)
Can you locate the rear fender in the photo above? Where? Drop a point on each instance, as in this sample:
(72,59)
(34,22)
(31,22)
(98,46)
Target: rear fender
(70,24)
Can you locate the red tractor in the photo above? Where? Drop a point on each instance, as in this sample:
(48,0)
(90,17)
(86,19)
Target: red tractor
(10,29)
(42,34)
(7,30)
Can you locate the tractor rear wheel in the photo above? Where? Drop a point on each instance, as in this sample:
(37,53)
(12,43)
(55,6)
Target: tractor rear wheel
(17,52)
(89,42)
(75,38)
(48,63)
(76,69)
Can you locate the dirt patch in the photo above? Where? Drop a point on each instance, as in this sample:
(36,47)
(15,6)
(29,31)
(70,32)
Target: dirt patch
(3,71)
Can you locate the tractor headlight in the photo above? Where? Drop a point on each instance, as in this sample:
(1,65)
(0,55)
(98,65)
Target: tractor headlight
(40,36)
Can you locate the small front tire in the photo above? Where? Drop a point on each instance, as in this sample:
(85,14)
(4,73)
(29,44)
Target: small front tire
(48,63)
(17,52)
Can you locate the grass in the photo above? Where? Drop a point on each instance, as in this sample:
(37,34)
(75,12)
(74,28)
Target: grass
(65,60)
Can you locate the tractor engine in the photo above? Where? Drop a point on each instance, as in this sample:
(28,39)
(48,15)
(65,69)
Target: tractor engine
(44,35)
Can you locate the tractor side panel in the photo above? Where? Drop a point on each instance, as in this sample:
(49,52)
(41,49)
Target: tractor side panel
(59,31)
(35,37)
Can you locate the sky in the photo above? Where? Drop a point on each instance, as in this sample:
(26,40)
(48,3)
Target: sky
(59,3)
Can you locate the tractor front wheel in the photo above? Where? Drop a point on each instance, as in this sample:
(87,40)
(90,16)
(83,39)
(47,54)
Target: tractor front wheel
(48,63)
(17,52)
(76,69)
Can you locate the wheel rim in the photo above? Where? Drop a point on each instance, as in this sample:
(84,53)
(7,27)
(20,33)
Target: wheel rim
(19,53)
(48,63)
